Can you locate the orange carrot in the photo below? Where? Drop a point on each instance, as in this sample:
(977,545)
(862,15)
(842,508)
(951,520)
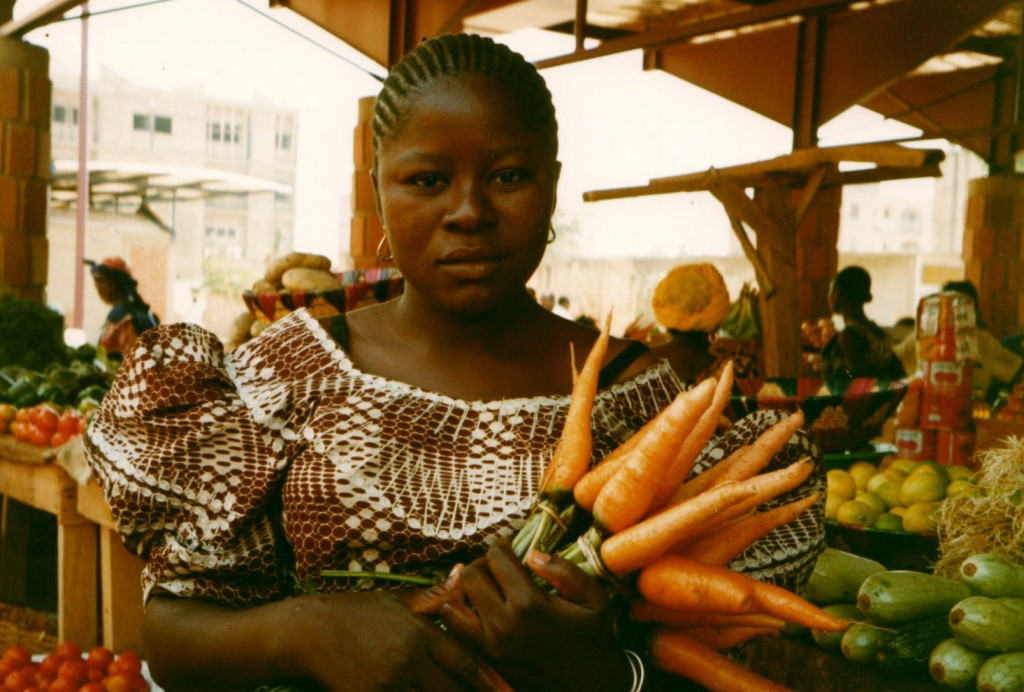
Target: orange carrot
(747,460)
(713,475)
(641,610)
(762,494)
(627,495)
(696,440)
(586,490)
(721,545)
(674,581)
(721,637)
(641,543)
(676,652)
(572,453)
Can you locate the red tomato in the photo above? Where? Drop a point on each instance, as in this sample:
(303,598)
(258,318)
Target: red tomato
(99,657)
(4,426)
(50,665)
(19,680)
(74,671)
(68,423)
(38,436)
(93,687)
(69,649)
(61,685)
(16,657)
(23,414)
(45,416)
(57,439)
(19,429)
(121,682)
(126,662)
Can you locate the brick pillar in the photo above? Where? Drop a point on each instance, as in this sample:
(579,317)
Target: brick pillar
(993,250)
(24,167)
(366,227)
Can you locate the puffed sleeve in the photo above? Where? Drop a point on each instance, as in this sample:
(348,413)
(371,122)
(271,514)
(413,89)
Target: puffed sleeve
(190,475)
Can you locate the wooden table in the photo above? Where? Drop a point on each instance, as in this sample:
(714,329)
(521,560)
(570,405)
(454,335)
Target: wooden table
(99,592)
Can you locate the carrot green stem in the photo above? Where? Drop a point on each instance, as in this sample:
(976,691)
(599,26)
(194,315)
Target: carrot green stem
(383,576)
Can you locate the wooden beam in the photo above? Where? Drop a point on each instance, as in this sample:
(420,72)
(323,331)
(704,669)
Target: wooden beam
(725,21)
(736,203)
(809,191)
(764,279)
(890,159)
(47,14)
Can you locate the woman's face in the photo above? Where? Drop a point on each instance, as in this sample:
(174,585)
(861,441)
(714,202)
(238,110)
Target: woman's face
(466,195)
(106,289)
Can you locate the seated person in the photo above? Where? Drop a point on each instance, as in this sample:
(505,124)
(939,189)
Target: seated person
(861,348)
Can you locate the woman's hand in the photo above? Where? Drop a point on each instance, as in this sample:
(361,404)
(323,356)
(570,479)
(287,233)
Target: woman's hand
(374,641)
(534,638)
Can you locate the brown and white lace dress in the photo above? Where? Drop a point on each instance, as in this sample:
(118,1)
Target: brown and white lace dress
(237,474)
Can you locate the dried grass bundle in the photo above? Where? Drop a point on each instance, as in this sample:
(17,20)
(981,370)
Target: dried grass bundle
(992,521)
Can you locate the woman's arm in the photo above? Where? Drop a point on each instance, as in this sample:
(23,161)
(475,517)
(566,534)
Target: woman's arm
(353,641)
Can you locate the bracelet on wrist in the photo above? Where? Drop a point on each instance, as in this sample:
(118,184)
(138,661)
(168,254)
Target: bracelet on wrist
(636,664)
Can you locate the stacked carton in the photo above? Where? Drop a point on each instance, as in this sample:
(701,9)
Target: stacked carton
(936,421)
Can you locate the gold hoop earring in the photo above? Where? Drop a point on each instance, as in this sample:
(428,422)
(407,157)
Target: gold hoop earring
(551,234)
(381,257)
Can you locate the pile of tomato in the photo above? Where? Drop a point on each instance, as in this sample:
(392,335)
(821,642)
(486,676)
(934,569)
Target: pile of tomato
(42,425)
(68,669)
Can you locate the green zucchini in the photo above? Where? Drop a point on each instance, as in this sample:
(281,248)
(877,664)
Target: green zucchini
(862,642)
(916,639)
(830,641)
(1002,673)
(989,624)
(991,574)
(837,576)
(955,665)
(904,595)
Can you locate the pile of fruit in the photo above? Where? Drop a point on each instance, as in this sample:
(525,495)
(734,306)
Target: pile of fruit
(968,630)
(68,668)
(895,495)
(47,408)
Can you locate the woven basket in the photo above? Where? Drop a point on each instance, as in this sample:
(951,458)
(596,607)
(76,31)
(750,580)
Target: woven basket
(33,630)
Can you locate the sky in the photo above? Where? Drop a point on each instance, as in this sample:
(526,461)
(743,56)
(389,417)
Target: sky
(619,125)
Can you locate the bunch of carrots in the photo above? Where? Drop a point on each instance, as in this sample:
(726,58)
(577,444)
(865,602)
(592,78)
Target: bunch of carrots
(673,536)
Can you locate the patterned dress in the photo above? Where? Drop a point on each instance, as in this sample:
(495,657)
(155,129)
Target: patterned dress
(237,474)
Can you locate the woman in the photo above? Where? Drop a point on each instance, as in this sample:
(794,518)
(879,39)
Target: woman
(690,302)
(129,314)
(406,437)
(861,348)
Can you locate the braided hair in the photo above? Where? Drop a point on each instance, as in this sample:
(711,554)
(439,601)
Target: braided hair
(451,56)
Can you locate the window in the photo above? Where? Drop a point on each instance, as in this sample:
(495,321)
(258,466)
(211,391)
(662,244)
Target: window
(65,123)
(142,122)
(222,241)
(227,133)
(911,221)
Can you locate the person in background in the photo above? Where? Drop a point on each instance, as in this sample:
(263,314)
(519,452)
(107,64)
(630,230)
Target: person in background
(561,308)
(996,366)
(861,348)
(403,438)
(547,301)
(690,302)
(129,314)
